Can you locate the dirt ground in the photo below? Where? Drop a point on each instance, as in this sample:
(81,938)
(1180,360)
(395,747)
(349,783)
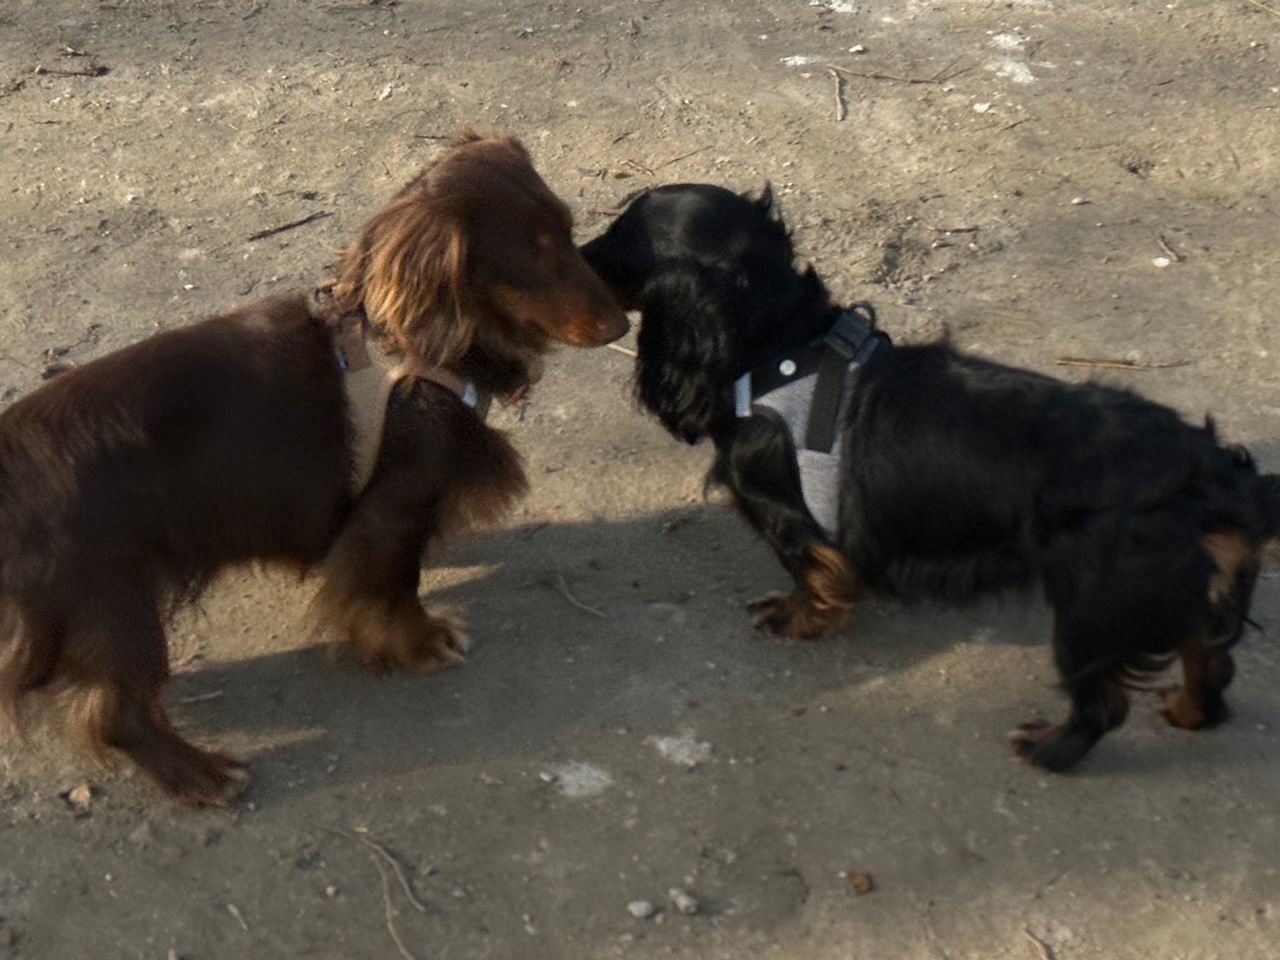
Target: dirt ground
(1041,179)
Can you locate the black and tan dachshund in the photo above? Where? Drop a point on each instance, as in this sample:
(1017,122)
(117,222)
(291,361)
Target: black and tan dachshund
(919,472)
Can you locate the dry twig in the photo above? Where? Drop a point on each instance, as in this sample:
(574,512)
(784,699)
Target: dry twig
(1046,952)
(235,912)
(1173,254)
(309,218)
(564,589)
(683,156)
(627,350)
(877,75)
(841,109)
(390,910)
(386,855)
(201,698)
(1117,364)
(90,70)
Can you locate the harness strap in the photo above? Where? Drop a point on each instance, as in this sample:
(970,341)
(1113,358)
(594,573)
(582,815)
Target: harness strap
(369,376)
(807,390)
(843,342)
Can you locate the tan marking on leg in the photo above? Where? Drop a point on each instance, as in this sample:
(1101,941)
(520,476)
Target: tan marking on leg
(1183,707)
(1232,554)
(820,605)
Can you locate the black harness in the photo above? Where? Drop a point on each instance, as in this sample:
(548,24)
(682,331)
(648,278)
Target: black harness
(808,390)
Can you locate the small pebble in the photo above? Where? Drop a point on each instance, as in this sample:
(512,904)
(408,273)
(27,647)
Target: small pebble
(683,901)
(859,882)
(641,909)
(80,798)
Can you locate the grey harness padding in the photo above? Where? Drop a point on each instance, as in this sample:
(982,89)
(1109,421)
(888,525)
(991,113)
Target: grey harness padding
(809,391)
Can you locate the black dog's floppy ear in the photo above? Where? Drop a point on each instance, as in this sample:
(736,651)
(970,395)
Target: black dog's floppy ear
(689,352)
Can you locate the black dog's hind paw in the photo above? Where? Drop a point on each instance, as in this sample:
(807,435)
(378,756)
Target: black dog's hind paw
(1053,747)
(1181,710)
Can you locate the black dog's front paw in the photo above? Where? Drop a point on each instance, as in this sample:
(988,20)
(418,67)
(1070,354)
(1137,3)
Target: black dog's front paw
(771,612)
(795,614)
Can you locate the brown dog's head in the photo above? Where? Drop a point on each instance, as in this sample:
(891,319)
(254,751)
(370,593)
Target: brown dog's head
(476,251)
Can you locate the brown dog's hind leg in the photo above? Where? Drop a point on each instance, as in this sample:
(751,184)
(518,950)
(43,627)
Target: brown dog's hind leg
(116,666)
(827,589)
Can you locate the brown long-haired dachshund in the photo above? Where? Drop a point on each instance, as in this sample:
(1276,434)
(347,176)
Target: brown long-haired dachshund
(127,484)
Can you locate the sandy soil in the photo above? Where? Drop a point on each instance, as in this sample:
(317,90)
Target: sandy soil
(1041,179)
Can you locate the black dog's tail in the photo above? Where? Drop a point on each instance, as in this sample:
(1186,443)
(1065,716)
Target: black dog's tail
(1267,494)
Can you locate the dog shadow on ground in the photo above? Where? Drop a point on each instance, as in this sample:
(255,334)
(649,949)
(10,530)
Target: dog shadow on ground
(582,627)
(589,626)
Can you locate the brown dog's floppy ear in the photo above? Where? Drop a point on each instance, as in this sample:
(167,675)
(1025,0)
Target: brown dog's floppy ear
(407,269)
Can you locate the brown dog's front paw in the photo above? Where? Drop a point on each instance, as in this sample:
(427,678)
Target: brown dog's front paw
(199,778)
(436,643)
(216,780)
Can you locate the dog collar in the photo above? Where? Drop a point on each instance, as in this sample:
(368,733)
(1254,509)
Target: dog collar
(808,389)
(465,390)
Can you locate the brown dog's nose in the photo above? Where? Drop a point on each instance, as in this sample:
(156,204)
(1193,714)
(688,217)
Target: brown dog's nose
(613,325)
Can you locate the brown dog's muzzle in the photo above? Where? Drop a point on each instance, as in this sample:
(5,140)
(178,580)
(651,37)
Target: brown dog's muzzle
(579,311)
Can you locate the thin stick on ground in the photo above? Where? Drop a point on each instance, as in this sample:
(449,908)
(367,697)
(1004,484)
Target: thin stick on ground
(293,225)
(386,855)
(390,910)
(1117,364)
(1046,952)
(1173,254)
(201,697)
(841,109)
(564,589)
(627,350)
(235,912)
(877,75)
(683,156)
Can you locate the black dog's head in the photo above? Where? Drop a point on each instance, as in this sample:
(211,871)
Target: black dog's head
(712,274)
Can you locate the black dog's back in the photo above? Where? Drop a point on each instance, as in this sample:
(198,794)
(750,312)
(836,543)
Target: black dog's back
(964,476)
(957,476)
